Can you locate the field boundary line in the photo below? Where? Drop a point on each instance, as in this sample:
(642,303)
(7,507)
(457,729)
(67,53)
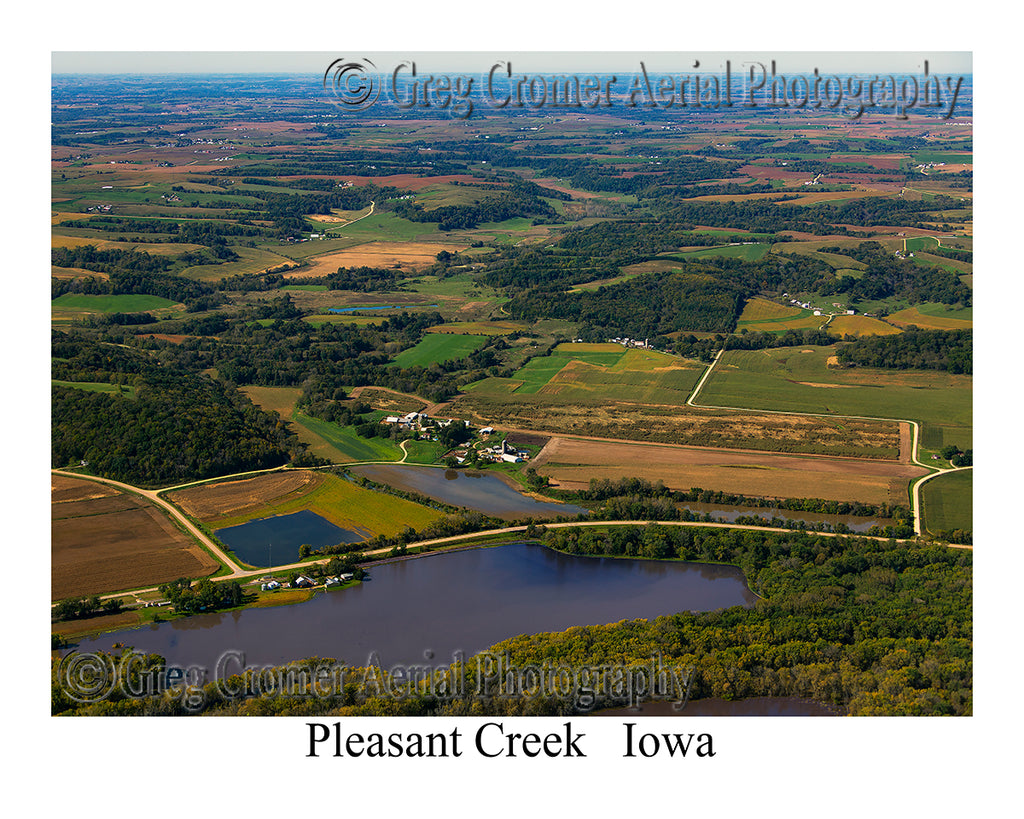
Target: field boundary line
(914,494)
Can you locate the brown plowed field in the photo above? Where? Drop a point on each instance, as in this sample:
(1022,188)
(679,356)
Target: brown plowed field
(103,540)
(217,500)
(572,462)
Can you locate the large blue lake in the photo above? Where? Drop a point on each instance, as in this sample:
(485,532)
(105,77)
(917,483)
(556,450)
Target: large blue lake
(464,601)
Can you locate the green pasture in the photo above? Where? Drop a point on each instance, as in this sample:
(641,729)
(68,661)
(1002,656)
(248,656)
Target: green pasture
(771,380)
(947,502)
(347,442)
(435,348)
(128,303)
(748,253)
(96,386)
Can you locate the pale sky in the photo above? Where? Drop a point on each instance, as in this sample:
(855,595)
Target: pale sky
(315,62)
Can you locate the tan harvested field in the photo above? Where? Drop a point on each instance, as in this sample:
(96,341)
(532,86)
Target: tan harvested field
(482,328)
(758,309)
(103,540)
(210,502)
(861,326)
(376,254)
(156,248)
(913,316)
(572,462)
(689,426)
(75,273)
(56,218)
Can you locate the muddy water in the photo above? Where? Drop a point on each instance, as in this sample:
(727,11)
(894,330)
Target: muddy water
(456,601)
(469,488)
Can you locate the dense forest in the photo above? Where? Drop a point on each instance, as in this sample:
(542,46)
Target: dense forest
(949,350)
(644,307)
(170,427)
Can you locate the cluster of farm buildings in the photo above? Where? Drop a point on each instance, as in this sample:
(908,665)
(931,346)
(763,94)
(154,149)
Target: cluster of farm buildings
(421,422)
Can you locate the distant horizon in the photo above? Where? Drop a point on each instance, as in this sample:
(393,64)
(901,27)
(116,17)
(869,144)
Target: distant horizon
(183,63)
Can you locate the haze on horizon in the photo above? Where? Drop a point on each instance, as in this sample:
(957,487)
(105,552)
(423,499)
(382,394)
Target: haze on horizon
(315,62)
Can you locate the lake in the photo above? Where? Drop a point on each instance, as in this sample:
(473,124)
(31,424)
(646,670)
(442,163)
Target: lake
(465,601)
(276,541)
(472,489)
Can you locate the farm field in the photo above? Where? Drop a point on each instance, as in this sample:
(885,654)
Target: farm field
(572,462)
(436,348)
(96,386)
(230,503)
(410,255)
(947,502)
(860,326)
(253,260)
(129,303)
(768,316)
(933,317)
(104,540)
(339,318)
(798,379)
(747,252)
(683,425)
(325,439)
(481,328)
(346,444)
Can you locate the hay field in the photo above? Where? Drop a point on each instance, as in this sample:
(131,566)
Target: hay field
(412,255)
(860,326)
(103,540)
(767,316)
(799,379)
(954,320)
(480,328)
(344,504)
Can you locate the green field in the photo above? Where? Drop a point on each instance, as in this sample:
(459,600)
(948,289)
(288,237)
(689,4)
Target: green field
(435,348)
(588,373)
(922,157)
(748,253)
(96,386)
(947,502)
(345,441)
(336,318)
(792,380)
(251,260)
(130,303)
